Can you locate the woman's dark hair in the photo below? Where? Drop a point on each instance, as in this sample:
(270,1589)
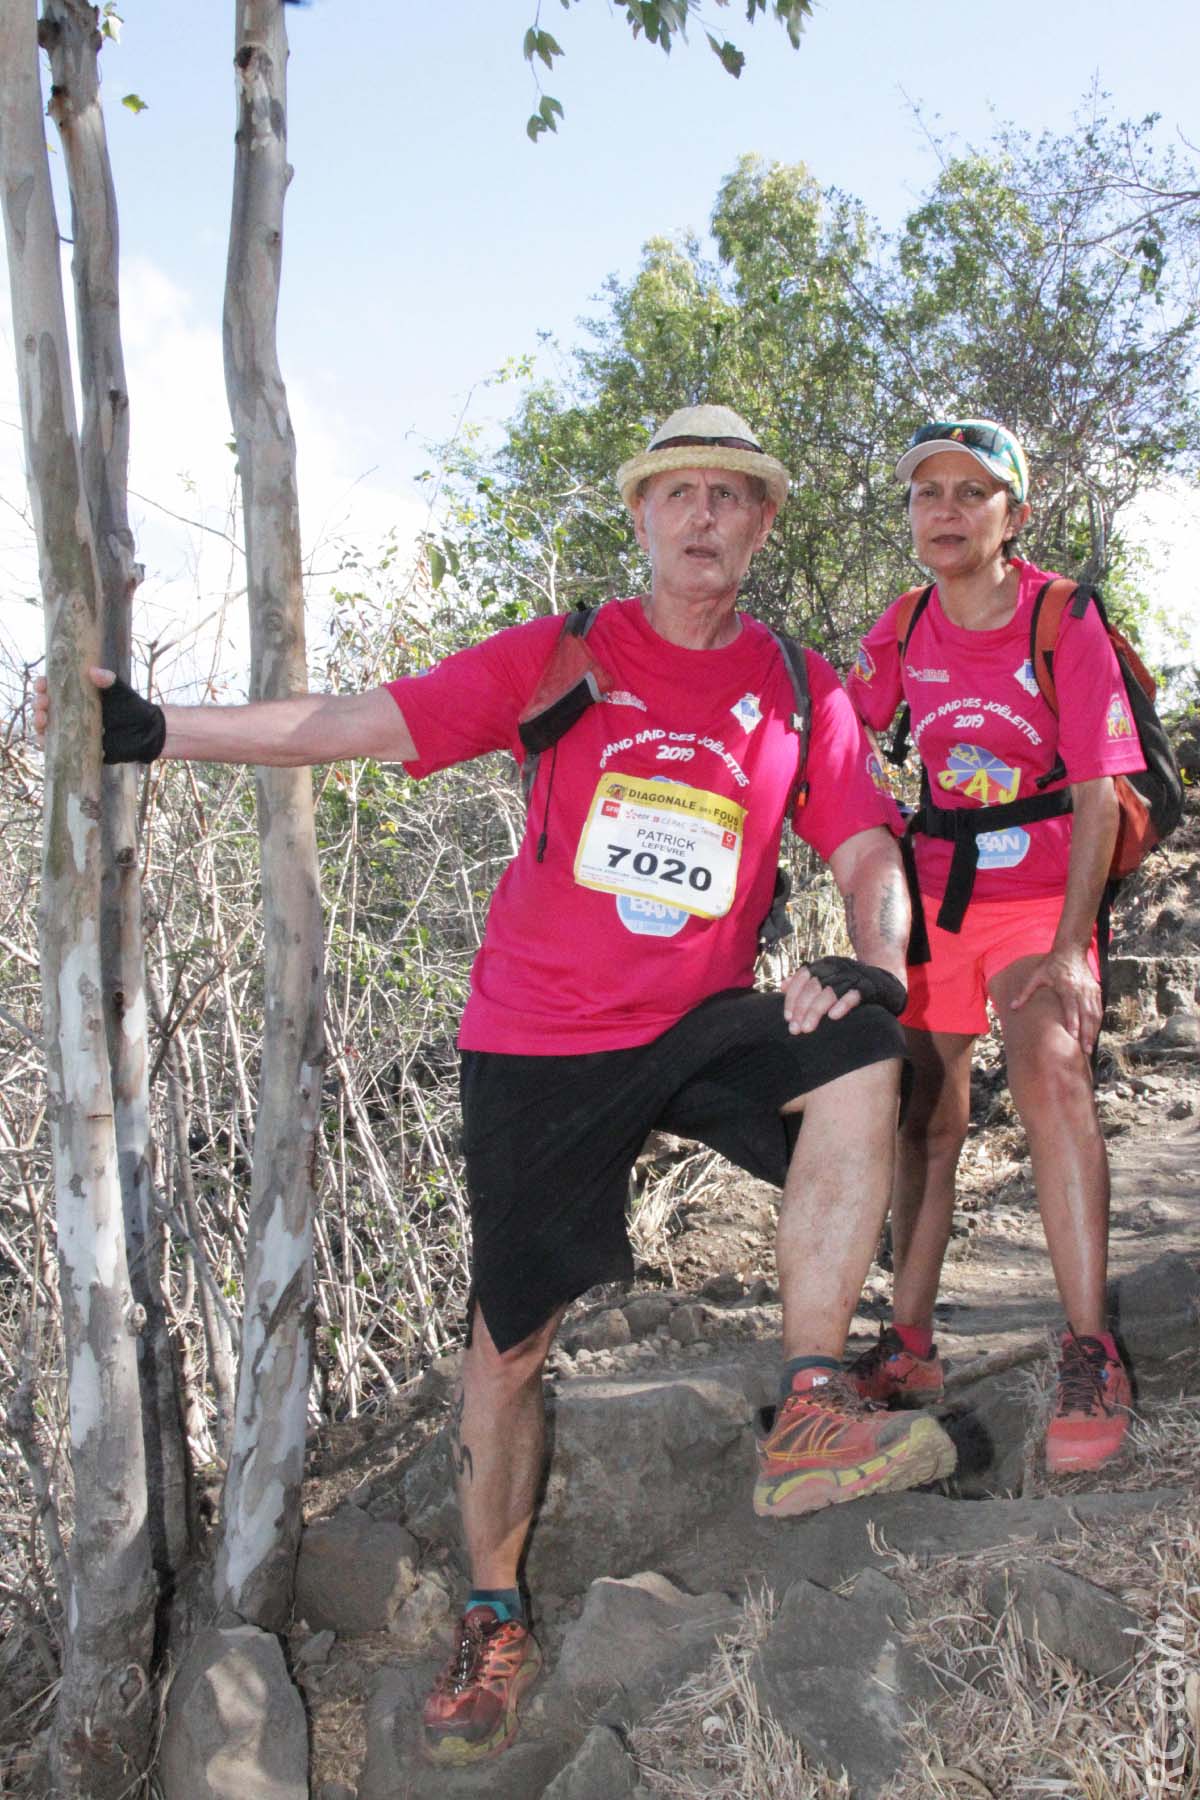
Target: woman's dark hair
(1009,544)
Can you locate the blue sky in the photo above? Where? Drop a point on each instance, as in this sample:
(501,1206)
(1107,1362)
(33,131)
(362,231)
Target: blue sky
(427,240)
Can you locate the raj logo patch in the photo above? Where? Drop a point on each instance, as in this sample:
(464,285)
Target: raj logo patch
(1117,722)
(747,711)
(1026,678)
(975,772)
(864,668)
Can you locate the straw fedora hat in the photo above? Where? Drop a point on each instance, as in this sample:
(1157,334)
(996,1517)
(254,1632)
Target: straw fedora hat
(703,437)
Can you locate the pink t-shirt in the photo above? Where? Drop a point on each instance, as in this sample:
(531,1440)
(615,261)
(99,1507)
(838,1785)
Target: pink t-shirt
(662,810)
(985,734)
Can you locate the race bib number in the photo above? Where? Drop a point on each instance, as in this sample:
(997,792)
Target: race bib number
(662,841)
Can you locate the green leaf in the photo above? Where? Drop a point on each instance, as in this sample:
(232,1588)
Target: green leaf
(729,56)
(437,567)
(550,109)
(530,45)
(534,127)
(135,103)
(547,48)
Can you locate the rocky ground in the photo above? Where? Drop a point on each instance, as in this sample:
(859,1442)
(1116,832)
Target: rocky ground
(999,1635)
(1002,1635)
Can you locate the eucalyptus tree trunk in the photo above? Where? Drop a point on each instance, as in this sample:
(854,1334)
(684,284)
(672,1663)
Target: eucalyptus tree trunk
(104,1716)
(69,35)
(261,1511)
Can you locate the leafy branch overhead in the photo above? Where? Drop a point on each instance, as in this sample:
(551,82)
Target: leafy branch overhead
(659,22)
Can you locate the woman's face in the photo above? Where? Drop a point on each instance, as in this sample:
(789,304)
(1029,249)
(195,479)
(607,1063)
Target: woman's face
(959,514)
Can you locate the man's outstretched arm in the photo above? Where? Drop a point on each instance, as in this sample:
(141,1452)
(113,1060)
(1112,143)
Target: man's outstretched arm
(292,733)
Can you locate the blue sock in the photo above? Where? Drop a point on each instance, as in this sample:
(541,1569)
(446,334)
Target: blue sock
(506,1603)
(794,1366)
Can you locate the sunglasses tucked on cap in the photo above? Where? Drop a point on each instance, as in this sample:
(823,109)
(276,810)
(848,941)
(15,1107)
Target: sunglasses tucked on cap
(703,437)
(993,446)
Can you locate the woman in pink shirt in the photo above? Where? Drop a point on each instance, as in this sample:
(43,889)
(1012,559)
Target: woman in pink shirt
(1009,910)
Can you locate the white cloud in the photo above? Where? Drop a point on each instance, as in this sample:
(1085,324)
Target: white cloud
(181,488)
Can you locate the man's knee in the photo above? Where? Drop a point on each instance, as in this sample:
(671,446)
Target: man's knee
(869,1091)
(511,1369)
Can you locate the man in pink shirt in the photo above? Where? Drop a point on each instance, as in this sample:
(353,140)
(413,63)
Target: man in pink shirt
(614,994)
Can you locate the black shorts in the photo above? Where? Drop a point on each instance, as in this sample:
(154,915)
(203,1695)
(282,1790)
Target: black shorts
(550,1140)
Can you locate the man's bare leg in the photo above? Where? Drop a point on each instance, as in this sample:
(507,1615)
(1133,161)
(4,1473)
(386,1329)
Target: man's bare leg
(826,1445)
(497,1436)
(834,1203)
(498,1441)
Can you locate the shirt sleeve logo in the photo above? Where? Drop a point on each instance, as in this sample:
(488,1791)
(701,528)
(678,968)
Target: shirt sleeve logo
(1117,722)
(747,711)
(864,668)
(1026,678)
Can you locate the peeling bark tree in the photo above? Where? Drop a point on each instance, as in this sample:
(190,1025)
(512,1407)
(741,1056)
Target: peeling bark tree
(261,1511)
(104,1715)
(68,33)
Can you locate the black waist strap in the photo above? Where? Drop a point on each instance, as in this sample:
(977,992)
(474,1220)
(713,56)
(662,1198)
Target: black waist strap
(962,827)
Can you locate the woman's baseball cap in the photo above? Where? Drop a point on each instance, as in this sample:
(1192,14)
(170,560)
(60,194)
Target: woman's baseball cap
(993,446)
(703,437)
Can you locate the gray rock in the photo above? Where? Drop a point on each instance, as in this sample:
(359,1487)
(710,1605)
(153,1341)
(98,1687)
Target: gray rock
(441,1377)
(1177,1039)
(988,1422)
(724,1288)
(394,1769)
(1156,1309)
(601,1769)
(236,1728)
(685,1440)
(1070,1616)
(837,1675)
(354,1573)
(424,1615)
(636,1639)
(315,1650)
(831,1546)
(607,1331)
(1133,978)
(688,1323)
(644,1313)
(336,1790)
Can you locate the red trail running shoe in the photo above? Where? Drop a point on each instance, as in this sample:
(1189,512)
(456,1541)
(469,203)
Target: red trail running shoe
(828,1445)
(890,1372)
(471,1712)
(1091,1407)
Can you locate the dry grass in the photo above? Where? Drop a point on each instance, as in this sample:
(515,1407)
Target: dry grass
(698,1179)
(712,1739)
(1020,1721)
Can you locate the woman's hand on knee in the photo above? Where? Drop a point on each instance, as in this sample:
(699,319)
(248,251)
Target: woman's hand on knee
(1067,975)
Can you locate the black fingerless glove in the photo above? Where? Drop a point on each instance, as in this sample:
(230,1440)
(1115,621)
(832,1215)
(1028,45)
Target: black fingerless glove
(874,986)
(132,729)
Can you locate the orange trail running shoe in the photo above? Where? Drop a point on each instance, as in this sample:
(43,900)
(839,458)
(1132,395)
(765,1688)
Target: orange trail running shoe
(471,1712)
(828,1444)
(889,1372)
(1091,1407)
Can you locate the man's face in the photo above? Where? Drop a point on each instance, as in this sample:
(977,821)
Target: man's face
(700,527)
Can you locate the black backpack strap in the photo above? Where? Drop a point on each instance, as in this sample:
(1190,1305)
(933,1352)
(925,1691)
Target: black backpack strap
(897,750)
(963,827)
(796,662)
